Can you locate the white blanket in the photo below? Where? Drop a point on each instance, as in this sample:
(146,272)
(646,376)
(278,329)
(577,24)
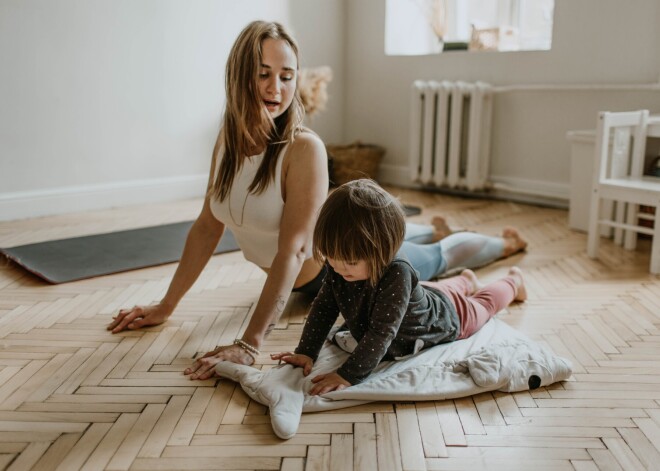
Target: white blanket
(497,357)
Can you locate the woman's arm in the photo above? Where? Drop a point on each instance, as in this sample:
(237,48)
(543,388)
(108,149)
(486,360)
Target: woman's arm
(305,187)
(201,242)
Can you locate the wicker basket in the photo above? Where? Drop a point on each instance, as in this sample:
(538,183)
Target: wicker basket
(353,161)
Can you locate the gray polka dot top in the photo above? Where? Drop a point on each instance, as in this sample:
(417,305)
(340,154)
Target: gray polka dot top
(386,320)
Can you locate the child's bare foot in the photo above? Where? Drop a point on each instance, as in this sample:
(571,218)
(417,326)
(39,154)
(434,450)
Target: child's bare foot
(513,242)
(521,292)
(440,228)
(475,284)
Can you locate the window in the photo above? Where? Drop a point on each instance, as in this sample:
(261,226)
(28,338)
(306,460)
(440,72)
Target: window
(418,27)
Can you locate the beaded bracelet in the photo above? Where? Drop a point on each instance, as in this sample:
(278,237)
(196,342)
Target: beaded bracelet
(252,351)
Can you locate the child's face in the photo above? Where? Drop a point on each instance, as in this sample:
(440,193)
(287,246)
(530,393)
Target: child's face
(351,271)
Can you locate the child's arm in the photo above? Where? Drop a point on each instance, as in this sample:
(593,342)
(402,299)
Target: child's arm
(295,359)
(321,318)
(328,382)
(390,307)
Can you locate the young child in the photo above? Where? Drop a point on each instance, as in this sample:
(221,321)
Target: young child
(387,310)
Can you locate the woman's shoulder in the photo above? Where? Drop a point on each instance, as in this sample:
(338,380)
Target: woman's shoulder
(306,154)
(307,142)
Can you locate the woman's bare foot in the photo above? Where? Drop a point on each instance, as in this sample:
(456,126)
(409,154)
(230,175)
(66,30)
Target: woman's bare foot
(440,228)
(521,292)
(475,284)
(513,242)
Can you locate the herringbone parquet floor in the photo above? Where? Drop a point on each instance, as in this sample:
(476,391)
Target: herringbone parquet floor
(73,396)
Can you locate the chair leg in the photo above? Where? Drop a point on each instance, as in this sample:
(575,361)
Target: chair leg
(630,240)
(655,243)
(619,217)
(607,212)
(593,236)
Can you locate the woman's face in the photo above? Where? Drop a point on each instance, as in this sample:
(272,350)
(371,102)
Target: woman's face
(277,76)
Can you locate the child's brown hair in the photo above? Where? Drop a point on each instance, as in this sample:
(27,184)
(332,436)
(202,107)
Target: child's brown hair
(360,221)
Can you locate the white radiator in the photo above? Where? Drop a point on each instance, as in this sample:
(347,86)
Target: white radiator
(450,126)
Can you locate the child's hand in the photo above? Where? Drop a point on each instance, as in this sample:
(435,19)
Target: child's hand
(328,382)
(295,359)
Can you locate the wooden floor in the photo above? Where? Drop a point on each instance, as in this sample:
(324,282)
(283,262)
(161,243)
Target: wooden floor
(73,396)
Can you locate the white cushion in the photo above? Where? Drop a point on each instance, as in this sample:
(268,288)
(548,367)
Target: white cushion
(498,357)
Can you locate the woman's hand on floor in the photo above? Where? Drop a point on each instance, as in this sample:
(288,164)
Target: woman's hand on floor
(328,382)
(204,367)
(295,359)
(140,316)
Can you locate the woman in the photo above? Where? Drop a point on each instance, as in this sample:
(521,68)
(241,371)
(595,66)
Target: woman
(267,183)
(268,180)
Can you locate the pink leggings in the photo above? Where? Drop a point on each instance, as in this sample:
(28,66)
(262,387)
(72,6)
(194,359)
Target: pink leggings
(474,310)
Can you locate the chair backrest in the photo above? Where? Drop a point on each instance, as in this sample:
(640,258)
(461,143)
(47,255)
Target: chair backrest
(616,156)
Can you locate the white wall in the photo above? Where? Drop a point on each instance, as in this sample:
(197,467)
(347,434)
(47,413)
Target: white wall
(602,42)
(114,102)
(319,28)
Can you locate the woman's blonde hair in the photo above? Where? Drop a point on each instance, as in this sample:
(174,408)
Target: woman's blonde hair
(247,124)
(360,221)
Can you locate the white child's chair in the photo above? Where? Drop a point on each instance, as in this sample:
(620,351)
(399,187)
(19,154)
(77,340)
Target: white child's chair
(618,176)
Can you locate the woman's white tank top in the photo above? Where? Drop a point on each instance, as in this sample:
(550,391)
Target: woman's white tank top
(254,219)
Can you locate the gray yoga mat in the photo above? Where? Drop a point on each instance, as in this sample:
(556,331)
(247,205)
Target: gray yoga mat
(411,210)
(60,261)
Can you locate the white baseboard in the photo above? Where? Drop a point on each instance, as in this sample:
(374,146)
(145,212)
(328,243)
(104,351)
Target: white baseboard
(28,204)
(516,189)
(398,175)
(555,191)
